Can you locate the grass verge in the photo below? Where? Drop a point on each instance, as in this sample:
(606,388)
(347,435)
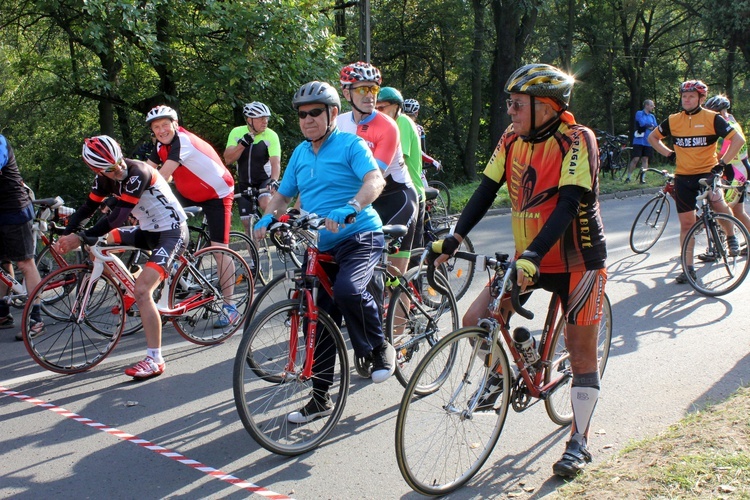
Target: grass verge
(704,456)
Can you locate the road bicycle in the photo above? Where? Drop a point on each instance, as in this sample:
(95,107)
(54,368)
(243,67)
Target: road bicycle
(257,256)
(273,368)
(652,218)
(416,324)
(717,270)
(446,428)
(614,154)
(87,315)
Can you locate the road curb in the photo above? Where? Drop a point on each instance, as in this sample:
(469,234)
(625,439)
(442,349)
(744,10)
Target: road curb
(609,196)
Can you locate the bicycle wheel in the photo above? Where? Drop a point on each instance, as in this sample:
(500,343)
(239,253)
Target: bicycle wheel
(716,272)
(268,383)
(558,403)
(69,344)
(620,163)
(445,194)
(650,223)
(245,246)
(265,261)
(46,262)
(276,290)
(441,442)
(460,272)
(414,325)
(219,278)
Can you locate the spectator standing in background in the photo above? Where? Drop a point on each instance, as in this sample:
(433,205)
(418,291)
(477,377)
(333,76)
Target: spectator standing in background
(645,122)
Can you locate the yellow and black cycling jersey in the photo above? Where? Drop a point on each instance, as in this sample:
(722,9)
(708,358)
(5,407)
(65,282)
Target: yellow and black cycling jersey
(694,137)
(535,172)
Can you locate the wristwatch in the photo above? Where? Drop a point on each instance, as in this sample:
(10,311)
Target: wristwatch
(355,204)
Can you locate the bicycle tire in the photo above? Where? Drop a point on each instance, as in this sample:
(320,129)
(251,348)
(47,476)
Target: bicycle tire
(558,404)
(460,272)
(650,223)
(264,401)
(199,325)
(444,193)
(246,247)
(66,345)
(413,332)
(724,273)
(276,290)
(440,442)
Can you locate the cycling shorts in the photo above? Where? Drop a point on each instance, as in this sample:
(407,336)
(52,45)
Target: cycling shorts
(581,294)
(165,246)
(247,207)
(399,207)
(687,189)
(17,242)
(641,151)
(218,212)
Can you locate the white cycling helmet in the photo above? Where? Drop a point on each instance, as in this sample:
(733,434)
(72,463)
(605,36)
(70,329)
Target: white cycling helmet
(161,111)
(101,152)
(256,110)
(411,106)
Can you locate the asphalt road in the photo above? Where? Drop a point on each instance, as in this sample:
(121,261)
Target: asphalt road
(101,435)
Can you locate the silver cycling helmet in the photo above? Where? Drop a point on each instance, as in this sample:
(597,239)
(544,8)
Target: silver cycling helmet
(316,93)
(411,106)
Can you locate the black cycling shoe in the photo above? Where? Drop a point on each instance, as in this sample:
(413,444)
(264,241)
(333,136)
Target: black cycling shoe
(682,278)
(573,461)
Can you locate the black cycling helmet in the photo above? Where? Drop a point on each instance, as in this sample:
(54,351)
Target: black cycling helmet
(717,103)
(541,80)
(316,93)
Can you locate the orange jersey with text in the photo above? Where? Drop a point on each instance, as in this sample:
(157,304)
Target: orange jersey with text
(694,138)
(534,173)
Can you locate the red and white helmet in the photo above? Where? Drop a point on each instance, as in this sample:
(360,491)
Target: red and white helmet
(694,86)
(161,111)
(359,72)
(101,152)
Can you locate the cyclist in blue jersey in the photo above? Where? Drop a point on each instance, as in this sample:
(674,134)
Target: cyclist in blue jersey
(337,177)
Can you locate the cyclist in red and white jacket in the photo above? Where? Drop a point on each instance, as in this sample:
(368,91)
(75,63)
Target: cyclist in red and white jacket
(200,177)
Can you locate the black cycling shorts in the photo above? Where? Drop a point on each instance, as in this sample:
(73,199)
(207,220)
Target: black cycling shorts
(686,191)
(399,207)
(165,246)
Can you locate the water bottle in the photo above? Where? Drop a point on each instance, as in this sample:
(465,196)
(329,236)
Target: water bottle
(526,345)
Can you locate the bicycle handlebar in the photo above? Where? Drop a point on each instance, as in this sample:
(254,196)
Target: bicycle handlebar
(509,280)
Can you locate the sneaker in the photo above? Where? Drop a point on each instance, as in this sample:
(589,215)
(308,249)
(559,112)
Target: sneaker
(627,180)
(733,245)
(573,461)
(145,369)
(7,322)
(36,328)
(492,389)
(383,363)
(681,278)
(316,408)
(229,316)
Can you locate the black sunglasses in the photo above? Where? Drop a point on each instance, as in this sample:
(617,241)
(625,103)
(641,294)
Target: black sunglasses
(313,112)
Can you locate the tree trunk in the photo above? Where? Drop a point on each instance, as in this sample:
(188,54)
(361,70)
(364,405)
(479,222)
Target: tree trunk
(472,137)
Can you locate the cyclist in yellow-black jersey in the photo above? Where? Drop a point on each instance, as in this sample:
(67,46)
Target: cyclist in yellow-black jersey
(550,164)
(695,132)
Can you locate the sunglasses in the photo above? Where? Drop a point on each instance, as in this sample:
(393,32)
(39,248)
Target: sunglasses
(313,112)
(374,90)
(111,168)
(516,105)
